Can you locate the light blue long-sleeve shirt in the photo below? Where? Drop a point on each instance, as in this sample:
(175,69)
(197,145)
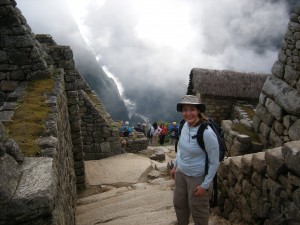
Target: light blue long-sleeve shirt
(190,158)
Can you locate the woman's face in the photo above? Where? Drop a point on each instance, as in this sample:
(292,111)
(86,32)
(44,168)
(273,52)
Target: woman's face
(190,114)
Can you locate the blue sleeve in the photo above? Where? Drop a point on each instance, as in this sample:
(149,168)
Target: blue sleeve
(212,147)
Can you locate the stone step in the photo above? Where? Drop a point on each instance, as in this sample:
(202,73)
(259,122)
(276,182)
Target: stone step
(127,204)
(144,215)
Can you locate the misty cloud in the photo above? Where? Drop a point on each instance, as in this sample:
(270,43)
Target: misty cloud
(234,34)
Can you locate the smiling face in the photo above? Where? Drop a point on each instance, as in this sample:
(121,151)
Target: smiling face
(190,114)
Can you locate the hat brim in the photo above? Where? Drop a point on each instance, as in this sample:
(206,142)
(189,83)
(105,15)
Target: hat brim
(200,106)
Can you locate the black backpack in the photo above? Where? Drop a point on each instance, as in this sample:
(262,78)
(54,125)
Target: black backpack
(222,150)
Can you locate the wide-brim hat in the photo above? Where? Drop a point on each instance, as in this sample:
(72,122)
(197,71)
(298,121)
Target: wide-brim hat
(190,100)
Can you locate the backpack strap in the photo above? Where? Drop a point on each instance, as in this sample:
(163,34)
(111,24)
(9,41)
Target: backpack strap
(200,141)
(181,123)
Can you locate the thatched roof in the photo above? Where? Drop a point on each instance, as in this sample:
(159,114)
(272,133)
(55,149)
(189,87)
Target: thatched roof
(226,83)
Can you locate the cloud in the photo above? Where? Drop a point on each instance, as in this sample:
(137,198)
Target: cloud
(151,46)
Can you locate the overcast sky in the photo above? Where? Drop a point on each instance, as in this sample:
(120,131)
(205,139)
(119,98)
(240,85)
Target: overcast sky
(156,43)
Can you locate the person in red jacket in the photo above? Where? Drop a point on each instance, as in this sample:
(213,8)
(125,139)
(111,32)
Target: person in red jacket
(163,133)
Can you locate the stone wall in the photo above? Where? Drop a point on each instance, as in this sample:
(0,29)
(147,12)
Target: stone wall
(221,107)
(136,142)
(240,139)
(277,117)
(94,134)
(40,190)
(99,134)
(217,107)
(238,143)
(261,188)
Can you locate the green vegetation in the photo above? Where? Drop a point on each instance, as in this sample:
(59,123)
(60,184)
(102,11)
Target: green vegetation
(29,117)
(242,129)
(249,111)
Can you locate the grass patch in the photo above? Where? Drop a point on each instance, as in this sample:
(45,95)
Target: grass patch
(242,129)
(249,111)
(29,117)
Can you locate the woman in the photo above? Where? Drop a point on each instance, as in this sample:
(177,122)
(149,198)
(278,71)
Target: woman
(163,133)
(155,131)
(192,186)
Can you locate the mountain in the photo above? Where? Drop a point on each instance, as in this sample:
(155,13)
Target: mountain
(105,87)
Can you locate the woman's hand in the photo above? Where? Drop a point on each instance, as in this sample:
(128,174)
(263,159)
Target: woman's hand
(173,173)
(199,191)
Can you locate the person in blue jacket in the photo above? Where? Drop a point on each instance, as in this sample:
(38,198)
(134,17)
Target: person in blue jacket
(174,129)
(126,129)
(192,184)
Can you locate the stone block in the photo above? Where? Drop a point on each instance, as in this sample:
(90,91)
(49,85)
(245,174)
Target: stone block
(286,184)
(259,163)
(295,180)
(287,121)
(264,130)
(256,123)
(235,163)
(294,131)
(278,71)
(245,139)
(256,180)
(275,140)
(260,207)
(246,164)
(278,127)
(264,115)
(275,161)
(223,169)
(274,109)
(10,175)
(285,96)
(291,75)
(291,156)
(47,142)
(274,187)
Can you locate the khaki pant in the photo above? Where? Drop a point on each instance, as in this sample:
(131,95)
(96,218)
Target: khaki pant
(154,140)
(185,202)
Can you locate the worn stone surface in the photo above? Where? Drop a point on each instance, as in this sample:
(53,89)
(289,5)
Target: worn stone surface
(35,192)
(291,155)
(284,95)
(13,150)
(294,131)
(117,174)
(10,176)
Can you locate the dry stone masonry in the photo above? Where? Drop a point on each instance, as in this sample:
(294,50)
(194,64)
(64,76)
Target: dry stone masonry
(43,189)
(277,117)
(261,188)
(264,187)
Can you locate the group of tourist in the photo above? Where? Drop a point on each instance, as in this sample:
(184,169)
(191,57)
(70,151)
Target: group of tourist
(157,133)
(126,130)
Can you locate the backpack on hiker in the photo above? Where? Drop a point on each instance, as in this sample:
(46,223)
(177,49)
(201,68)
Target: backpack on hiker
(222,150)
(149,133)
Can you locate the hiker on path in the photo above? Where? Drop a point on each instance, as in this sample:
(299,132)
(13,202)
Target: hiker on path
(138,128)
(155,131)
(126,129)
(192,186)
(144,128)
(163,133)
(173,133)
